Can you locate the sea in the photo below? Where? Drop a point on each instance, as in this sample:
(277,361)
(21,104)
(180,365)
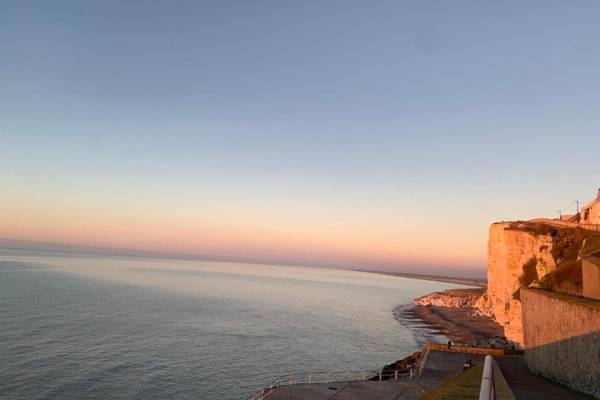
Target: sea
(76,326)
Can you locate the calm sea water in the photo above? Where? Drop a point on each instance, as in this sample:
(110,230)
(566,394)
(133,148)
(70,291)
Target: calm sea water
(91,327)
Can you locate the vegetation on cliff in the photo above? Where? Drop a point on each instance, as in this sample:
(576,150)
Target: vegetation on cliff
(541,254)
(567,246)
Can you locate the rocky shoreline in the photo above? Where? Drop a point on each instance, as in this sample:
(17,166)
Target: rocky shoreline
(454,298)
(461,325)
(453,314)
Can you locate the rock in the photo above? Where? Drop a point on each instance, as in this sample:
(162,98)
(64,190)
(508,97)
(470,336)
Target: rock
(524,254)
(403,366)
(455,298)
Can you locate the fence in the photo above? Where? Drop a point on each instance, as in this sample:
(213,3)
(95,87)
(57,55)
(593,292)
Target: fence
(464,349)
(352,376)
(423,361)
(590,227)
(569,224)
(326,377)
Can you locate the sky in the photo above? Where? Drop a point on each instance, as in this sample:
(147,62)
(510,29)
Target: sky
(381,135)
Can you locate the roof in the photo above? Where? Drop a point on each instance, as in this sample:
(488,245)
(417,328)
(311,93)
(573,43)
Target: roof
(591,204)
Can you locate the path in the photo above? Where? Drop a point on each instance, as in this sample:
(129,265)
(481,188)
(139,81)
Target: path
(440,367)
(527,386)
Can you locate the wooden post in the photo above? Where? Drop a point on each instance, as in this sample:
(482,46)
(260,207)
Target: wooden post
(396,375)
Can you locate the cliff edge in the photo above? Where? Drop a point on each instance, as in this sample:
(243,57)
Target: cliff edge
(537,254)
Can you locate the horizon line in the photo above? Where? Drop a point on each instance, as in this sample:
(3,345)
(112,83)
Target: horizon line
(86,249)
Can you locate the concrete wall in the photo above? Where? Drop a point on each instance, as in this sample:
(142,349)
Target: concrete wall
(591,277)
(561,336)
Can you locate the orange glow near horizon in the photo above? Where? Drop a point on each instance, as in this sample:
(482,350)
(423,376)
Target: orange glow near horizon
(280,237)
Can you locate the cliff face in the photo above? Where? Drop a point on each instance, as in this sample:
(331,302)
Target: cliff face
(556,326)
(512,259)
(523,254)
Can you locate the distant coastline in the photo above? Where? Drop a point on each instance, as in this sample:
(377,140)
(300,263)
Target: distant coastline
(479,282)
(91,250)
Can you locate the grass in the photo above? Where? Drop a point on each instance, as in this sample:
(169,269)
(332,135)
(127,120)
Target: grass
(466,385)
(463,386)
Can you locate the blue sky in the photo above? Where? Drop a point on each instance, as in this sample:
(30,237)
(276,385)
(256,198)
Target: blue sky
(306,119)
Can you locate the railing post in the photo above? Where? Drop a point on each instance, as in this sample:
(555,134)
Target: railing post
(309,376)
(396,375)
(487,380)
(380,375)
(329,377)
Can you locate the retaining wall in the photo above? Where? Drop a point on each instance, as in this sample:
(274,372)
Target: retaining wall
(561,335)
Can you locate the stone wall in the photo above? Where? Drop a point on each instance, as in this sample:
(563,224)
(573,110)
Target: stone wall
(561,336)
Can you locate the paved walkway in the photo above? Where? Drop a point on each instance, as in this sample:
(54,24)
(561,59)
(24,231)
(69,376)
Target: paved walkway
(368,390)
(440,367)
(527,386)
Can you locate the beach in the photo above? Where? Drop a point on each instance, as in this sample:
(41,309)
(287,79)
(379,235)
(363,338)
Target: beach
(460,325)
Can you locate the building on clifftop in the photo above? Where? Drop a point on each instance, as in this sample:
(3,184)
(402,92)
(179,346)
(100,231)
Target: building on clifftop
(590,214)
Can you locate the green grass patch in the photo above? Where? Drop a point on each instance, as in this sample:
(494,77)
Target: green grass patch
(463,386)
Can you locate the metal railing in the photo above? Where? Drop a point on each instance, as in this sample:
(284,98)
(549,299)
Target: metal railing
(590,227)
(464,349)
(326,378)
(488,390)
(569,224)
(423,361)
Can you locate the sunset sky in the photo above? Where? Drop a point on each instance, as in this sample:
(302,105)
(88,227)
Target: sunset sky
(371,134)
